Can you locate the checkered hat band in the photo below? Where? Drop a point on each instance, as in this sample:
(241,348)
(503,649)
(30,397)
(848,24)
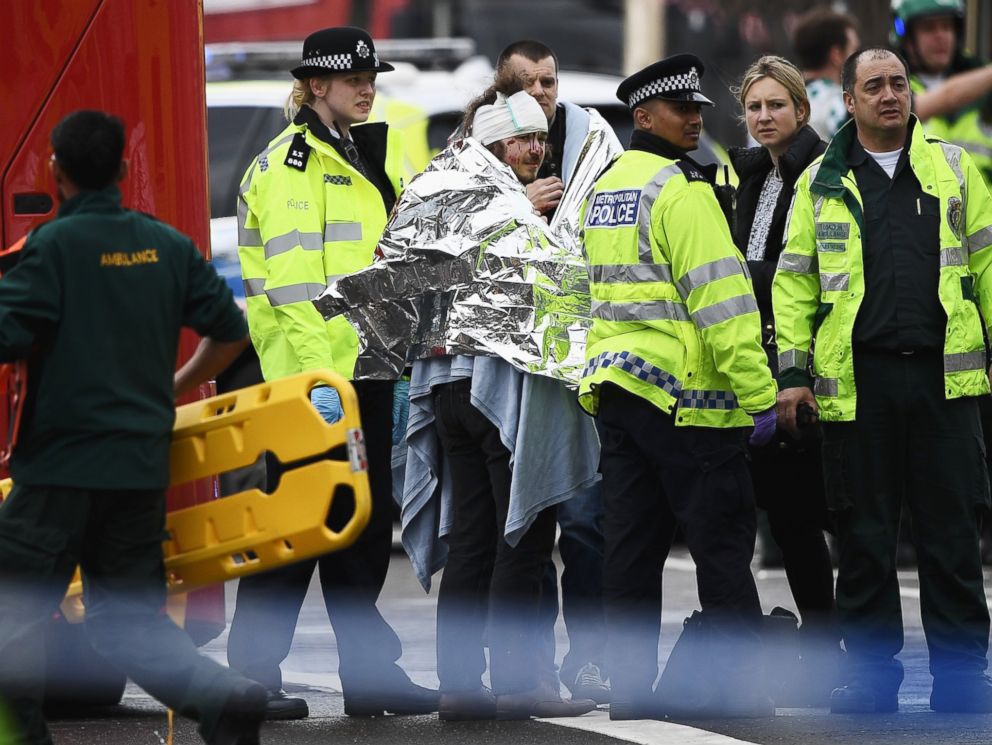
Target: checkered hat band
(330,61)
(687,81)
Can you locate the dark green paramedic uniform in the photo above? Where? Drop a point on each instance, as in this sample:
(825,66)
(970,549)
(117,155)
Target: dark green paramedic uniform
(96,304)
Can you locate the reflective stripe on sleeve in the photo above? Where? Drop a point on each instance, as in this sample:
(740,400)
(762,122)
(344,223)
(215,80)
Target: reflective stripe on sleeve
(342,231)
(979,239)
(654,310)
(825,387)
(254,286)
(629,273)
(723,400)
(289,294)
(248,237)
(288,241)
(964,361)
(636,366)
(954,256)
(834,282)
(793,358)
(711,272)
(798,263)
(723,311)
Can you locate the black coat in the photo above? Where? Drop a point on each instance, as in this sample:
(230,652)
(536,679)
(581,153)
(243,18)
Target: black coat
(753,165)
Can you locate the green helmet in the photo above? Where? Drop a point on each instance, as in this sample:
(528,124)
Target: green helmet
(905,12)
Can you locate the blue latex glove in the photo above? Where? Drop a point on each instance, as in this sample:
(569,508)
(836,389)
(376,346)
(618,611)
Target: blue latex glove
(401,410)
(764,428)
(327,402)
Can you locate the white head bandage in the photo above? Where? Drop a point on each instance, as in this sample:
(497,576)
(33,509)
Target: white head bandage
(519,114)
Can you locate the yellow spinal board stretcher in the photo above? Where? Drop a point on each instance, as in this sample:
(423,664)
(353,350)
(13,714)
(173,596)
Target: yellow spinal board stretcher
(251,531)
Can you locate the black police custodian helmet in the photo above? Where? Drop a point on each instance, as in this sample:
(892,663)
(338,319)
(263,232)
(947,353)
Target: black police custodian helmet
(340,49)
(673,79)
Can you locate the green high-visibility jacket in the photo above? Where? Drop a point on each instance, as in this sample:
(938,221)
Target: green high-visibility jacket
(298,230)
(820,282)
(674,316)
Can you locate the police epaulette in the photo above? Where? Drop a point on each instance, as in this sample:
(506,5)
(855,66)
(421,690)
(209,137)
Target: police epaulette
(299,152)
(691,172)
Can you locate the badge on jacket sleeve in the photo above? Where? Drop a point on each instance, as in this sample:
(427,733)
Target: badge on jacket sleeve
(299,152)
(954,216)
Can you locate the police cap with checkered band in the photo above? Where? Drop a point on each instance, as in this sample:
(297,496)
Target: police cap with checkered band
(339,49)
(672,79)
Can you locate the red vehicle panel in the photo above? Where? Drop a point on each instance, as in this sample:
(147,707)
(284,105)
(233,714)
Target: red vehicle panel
(143,61)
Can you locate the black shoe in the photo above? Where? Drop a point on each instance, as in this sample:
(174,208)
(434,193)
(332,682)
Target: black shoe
(589,683)
(241,718)
(408,699)
(463,706)
(971,694)
(625,710)
(860,699)
(542,702)
(280,707)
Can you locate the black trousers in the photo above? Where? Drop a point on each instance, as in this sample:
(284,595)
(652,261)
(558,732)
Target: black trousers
(268,604)
(657,476)
(908,445)
(788,484)
(116,537)
(485,578)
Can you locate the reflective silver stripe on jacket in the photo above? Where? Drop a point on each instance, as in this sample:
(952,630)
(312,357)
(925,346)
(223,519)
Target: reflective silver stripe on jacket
(288,294)
(979,239)
(711,272)
(834,282)
(793,358)
(649,194)
(651,310)
(636,366)
(725,310)
(825,387)
(722,400)
(334,278)
(288,241)
(342,231)
(254,286)
(630,273)
(952,154)
(964,361)
(954,256)
(798,263)
(247,237)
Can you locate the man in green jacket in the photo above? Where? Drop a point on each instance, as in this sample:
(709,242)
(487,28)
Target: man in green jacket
(95,305)
(886,267)
(676,374)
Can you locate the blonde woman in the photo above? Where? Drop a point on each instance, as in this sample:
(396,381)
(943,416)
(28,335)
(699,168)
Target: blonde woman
(787,474)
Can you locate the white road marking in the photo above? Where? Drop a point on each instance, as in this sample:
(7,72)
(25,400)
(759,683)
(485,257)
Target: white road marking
(645,732)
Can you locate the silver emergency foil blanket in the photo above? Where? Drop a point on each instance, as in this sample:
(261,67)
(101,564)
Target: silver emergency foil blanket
(466,267)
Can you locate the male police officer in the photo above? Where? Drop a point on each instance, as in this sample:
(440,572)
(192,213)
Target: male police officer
(312,207)
(889,247)
(95,304)
(675,373)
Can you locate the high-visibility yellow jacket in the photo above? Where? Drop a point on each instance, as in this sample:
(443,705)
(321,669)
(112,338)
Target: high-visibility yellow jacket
(674,316)
(298,228)
(975,136)
(820,282)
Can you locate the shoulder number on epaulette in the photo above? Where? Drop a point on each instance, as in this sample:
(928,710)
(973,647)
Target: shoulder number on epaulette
(690,171)
(299,152)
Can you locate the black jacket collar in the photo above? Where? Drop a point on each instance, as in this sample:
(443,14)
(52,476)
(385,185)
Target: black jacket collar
(649,143)
(748,161)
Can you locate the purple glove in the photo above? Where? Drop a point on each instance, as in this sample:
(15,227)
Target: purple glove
(764,428)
